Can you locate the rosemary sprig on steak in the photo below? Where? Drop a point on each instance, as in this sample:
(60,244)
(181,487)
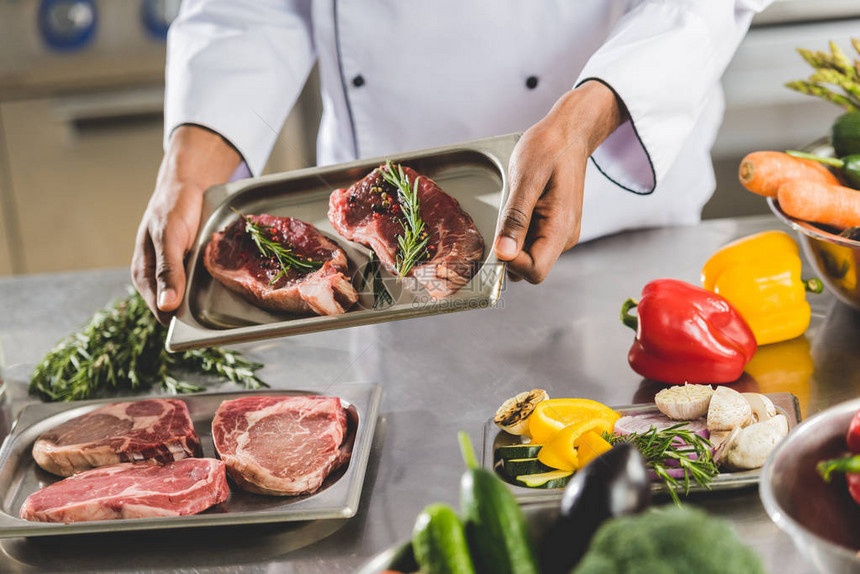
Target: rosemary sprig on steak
(122,349)
(413,242)
(263,237)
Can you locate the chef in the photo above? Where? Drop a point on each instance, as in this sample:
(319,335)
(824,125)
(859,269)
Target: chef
(632,85)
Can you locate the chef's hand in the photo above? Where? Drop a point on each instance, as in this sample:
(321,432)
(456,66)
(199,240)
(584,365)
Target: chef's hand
(543,213)
(196,159)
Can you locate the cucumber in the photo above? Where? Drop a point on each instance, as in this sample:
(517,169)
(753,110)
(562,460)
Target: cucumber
(495,527)
(515,467)
(439,542)
(551,479)
(517,451)
(845,134)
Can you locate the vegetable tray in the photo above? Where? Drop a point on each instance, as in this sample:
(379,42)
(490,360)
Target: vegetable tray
(475,174)
(337,498)
(786,403)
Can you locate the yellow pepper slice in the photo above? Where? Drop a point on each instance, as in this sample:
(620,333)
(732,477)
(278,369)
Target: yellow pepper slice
(760,277)
(563,451)
(591,445)
(552,415)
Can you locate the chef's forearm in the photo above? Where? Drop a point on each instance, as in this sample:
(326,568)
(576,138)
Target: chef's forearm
(198,157)
(588,114)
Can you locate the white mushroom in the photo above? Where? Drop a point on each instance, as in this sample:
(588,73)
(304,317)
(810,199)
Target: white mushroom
(717,437)
(684,403)
(762,407)
(749,447)
(728,409)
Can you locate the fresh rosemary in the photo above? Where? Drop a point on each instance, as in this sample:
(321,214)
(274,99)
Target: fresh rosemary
(372,279)
(689,451)
(413,241)
(122,349)
(263,238)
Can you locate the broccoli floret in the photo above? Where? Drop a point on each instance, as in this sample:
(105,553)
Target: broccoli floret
(668,541)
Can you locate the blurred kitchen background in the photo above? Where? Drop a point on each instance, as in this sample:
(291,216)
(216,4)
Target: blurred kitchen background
(81,89)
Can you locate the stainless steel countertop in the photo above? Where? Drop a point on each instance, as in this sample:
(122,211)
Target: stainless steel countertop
(440,374)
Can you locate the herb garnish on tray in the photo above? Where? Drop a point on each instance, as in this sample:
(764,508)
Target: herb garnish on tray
(122,349)
(413,241)
(689,451)
(263,237)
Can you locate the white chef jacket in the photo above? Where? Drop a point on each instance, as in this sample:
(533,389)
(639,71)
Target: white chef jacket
(402,75)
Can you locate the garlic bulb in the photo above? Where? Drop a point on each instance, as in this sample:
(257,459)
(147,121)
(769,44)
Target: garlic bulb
(684,403)
(511,416)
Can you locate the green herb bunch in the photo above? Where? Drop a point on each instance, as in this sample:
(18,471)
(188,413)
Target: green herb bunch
(263,237)
(122,349)
(413,242)
(833,70)
(672,448)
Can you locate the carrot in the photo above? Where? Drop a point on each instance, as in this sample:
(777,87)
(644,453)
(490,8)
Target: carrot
(818,202)
(762,172)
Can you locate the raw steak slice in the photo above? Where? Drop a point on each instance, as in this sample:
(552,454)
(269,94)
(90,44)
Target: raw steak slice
(233,259)
(455,248)
(280,445)
(131,490)
(152,430)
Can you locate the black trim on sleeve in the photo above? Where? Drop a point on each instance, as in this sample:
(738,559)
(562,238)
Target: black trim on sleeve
(636,133)
(343,82)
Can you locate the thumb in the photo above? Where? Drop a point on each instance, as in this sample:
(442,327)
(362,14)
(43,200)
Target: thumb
(170,275)
(517,213)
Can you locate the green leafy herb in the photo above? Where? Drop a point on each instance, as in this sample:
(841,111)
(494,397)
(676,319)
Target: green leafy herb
(413,241)
(263,237)
(689,451)
(122,349)
(372,279)
(833,70)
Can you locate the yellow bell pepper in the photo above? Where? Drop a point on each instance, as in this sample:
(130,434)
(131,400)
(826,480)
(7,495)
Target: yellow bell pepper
(552,415)
(564,450)
(760,277)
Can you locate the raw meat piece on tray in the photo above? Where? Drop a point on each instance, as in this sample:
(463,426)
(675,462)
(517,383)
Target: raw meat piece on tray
(236,262)
(369,212)
(131,490)
(153,430)
(280,445)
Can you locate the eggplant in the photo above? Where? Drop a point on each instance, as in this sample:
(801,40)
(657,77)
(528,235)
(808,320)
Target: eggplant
(614,484)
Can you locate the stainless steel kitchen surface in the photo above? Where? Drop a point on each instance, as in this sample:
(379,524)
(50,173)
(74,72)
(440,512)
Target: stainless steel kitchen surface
(439,375)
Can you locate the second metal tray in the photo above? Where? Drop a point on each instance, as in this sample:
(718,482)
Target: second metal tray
(475,174)
(337,498)
(786,403)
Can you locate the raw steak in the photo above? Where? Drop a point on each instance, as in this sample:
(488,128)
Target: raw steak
(280,445)
(455,247)
(153,430)
(233,258)
(131,490)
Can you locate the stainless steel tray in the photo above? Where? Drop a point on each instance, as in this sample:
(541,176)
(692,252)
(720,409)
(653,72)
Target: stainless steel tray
(494,438)
(473,173)
(337,498)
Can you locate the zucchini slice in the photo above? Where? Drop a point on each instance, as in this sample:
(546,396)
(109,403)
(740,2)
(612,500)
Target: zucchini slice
(552,479)
(515,467)
(512,451)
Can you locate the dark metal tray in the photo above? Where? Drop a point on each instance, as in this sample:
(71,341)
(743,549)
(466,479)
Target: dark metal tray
(473,173)
(337,498)
(786,403)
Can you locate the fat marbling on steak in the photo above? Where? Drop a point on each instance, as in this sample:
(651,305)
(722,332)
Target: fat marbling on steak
(236,262)
(151,430)
(280,445)
(369,212)
(131,490)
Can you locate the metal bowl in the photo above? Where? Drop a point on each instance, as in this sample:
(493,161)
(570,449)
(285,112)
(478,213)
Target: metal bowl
(821,518)
(836,259)
(538,517)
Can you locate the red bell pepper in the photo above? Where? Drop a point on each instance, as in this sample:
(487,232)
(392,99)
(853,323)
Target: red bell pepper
(685,334)
(853,436)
